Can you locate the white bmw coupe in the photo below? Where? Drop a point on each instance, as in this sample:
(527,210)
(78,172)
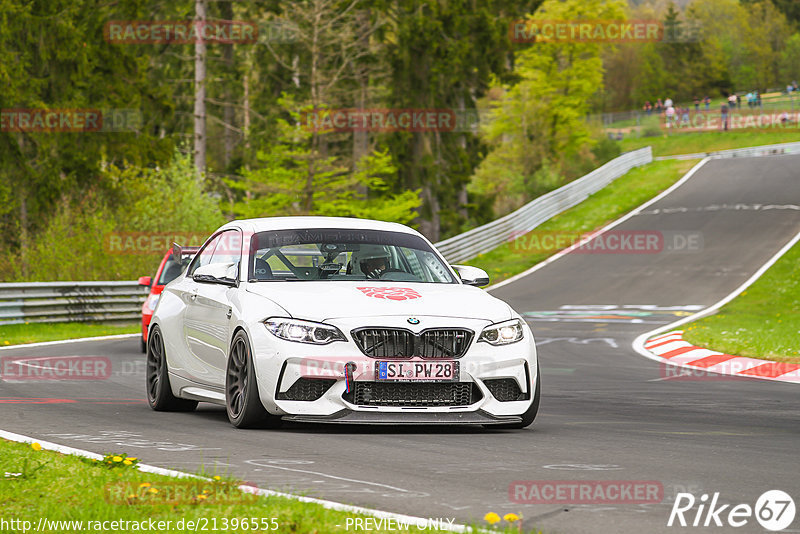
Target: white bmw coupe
(337,320)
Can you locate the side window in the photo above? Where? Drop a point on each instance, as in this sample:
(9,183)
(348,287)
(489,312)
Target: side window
(204,256)
(229,247)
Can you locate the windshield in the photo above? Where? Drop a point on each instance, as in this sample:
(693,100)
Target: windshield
(334,254)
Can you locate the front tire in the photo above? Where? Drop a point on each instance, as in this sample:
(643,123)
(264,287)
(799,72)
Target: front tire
(159,392)
(241,388)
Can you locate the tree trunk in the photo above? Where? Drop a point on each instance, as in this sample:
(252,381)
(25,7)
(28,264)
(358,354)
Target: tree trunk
(361,137)
(200,90)
(228,111)
(23,233)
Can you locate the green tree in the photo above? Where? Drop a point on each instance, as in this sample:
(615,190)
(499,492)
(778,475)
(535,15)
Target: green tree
(294,177)
(538,124)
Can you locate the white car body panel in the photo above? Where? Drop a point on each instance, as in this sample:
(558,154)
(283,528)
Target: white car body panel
(198,322)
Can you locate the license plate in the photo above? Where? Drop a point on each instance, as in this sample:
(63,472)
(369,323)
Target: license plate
(396,371)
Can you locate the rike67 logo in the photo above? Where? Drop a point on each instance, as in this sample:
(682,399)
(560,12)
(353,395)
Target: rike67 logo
(774,510)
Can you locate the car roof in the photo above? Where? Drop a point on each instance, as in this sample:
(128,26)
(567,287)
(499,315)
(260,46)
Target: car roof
(303,222)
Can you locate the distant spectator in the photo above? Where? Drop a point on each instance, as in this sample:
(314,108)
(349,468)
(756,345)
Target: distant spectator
(659,106)
(789,88)
(724,117)
(732,101)
(707,101)
(758,100)
(685,121)
(648,107)
(667,102)
(696,104)
(738,101)
(670,114)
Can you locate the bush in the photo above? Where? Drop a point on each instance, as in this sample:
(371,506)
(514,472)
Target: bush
(74,243)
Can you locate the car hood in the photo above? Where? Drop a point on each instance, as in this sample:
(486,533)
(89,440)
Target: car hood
(318,301)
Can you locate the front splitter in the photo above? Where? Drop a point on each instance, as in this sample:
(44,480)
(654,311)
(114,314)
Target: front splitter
(406,418)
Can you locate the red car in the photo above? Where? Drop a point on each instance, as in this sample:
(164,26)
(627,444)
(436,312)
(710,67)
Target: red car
(166,273)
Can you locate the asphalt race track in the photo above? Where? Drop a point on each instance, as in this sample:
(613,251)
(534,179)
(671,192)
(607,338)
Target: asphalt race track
(607,413)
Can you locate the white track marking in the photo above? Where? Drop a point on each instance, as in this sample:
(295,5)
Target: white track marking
(77,340)
(603,230)
(638,343)
(330,505)
(357,481)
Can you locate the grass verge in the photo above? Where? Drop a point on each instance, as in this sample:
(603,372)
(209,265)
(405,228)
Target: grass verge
(762,322)
(18,334)
(621,196)
(43,485)
(693,142)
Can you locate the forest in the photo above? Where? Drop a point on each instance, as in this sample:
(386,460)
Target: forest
(424,112)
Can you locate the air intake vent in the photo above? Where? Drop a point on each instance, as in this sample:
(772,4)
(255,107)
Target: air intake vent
(306,389)
(413,394)
(435,343)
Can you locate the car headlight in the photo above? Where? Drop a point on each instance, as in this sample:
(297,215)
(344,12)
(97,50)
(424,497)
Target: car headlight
(152,300)
(503,333)
(303,331)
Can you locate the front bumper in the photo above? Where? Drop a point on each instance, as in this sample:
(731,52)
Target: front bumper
(280,364)
(478,417)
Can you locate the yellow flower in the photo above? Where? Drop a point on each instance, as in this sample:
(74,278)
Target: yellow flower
(217,477)
(206,491)
(152,490)
(511,517)
(132,497)
(6,343)
(131,458)
(36,446)
(127,462)
(144,485)
(202,497)
(117,458)
(491,518)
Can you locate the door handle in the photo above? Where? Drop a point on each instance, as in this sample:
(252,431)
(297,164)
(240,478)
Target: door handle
(230,312)
(192,296)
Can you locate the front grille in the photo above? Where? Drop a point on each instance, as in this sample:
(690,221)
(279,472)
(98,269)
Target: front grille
(306,389)
(413,394)
(505,389)
(402,343)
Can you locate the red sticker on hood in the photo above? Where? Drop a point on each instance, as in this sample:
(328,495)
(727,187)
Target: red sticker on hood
(390,293)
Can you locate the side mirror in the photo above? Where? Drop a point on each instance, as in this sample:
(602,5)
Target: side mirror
(472,276)
(177,252)
(145,281)
(217,273)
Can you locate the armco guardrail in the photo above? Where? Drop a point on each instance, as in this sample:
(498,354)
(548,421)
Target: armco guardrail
(749,152)
(485,238)
(111,301)
(50,302)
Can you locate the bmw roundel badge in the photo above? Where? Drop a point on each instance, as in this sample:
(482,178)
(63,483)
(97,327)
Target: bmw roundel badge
(413,320)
